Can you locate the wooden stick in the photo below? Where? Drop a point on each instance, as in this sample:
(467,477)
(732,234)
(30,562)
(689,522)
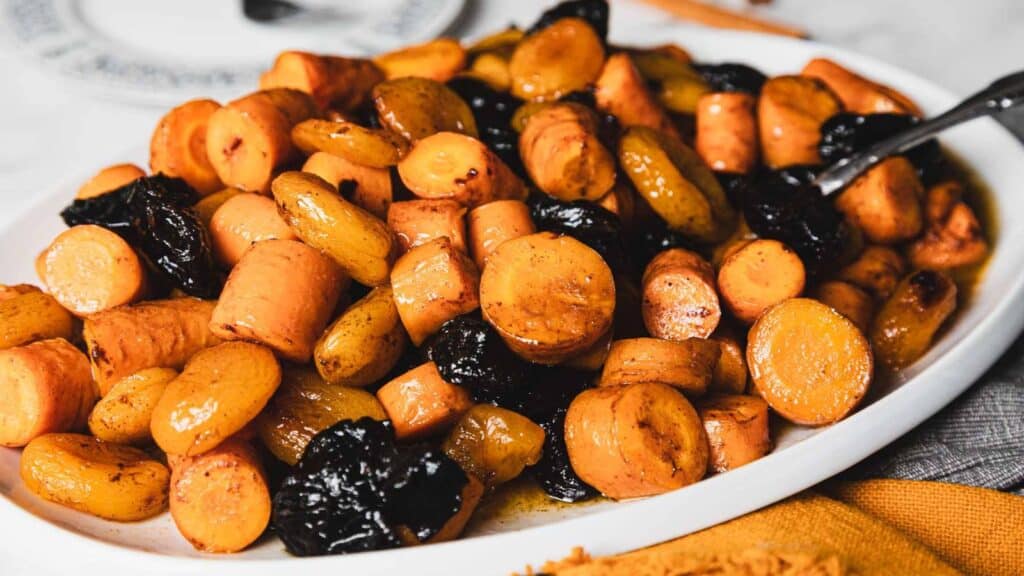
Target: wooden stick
(708,15)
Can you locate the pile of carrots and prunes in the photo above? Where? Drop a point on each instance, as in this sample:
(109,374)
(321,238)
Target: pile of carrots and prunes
(352,304)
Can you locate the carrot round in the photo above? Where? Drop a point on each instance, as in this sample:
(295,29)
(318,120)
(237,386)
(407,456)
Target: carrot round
(280,294)
(859,94)
(621,90)
(550,297)
(727,131)
(420,402)
(178,146)
(496,222)
(46,387)
(416,222)
(550,63)
(637,440)
(368,187)
(241,222)
(344,83)
(687,366)
(31,316)
(790,113)
(438,59)
(737,430)
(563,155)
(220,500)
(809,362)
(848,300)
(109,179)
(679,297)
(758,275)
(89,269)
(885,201)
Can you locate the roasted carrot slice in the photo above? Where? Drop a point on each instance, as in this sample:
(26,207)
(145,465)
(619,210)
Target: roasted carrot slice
(550,297)
(366,187)
(679,296)
(124,413)
(878,270)
(687,366)
(343,83)
(31,316)
(241,222)
(178,146)
(494,223)
(281,294)
(364,146)
(563,155)
(46,387)
(421,403)
(622,91)
(848,300)
(790,113)
(89,269)
(859,94)
(418,107)
(416,222)
(108,179)
(438,60)
(433,283)
(559,59)
(737,430)
(637,440)
(885,202)
(809,362)
(727,131)
(907,322)
(758,275)
(730,375)
(953,236)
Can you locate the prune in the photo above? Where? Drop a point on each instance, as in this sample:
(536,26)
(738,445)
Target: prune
(784,206)
(155,215)
(594,12)
(732,77)
(354,490)
(845,134)
(493,112)
(399,191)
(554,472)
(470,353)
(650,240)
(587,222)
(735,185)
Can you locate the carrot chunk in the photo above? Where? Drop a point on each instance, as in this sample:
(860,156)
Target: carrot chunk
(367,187)
(758,275)
(679,297)
(687,366)
(421,403)
(848,300)
(494,223)
(790,113)
(859,94)
(737,429)
(109,179)
(242,221)
(622,91)
(178,146)
(416,222)
(727,131)
(885,202)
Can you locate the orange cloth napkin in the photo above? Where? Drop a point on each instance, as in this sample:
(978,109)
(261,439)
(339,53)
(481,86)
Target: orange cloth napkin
(865,528)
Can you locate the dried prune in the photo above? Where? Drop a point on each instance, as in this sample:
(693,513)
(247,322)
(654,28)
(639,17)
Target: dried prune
(493,112)
(845,134)
(735,185)
(732,77)
(354,489)
(553,472)
(587,222)
(155,215)
(594,12)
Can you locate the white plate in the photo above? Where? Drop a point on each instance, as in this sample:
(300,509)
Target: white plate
(168,52)
(803,457)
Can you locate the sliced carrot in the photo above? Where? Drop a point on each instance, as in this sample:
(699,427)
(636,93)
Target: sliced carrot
(790,113)
(953,237)
(178,146)
(885,202)
(494,223)
(243,221)
(280,294)
(563,155)
(809,362)
(679,296)
(89,269)
(848,300)
(737,430)
(344,83)
(371,147)
(416,222)
(369,188)
(859,94)
(421,403)
(687,366)
(727,131)
(550,297)
(557,60)
(759,275)
(637,440)
(46,388)
(908,321)
(621,90)
(31,316)
(878,269)
(109,179)
(433,283)
(438,59)
(730,375)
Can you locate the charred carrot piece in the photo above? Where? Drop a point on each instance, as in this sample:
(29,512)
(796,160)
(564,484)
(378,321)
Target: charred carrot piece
(679,296)
(848,300)
(885,202)
(417,222)
(563,155)
(621,90)
(908,321)
(953,236)
(878,270)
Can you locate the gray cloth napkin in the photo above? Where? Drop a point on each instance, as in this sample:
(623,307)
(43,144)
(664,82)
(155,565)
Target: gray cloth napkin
(978,440)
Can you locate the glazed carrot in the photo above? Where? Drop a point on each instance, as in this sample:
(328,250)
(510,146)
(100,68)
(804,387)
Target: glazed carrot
(243,221)
(433,283)
(878,269)
(679,296)
(438,59)
(123,415)
(811,364)
(563,155)
(46,387)
(737,430)
(727,131)
(421,403)
(687,366)
(492,68)
(371,147)
(593,358)
(550,63)
(848,300)
(220,500)
(906,324)
(759,275)
(637,440)
(953,236)
(460,167)
(280,294)
(493,223)
(343,83)
(621,90)
(251,137)
(859,94)
(208,205)
(885,201)
(550,297)
(8,291)
(790,113)
(730,375)
(369,188)
(178,146)
(364,343)
(416,222)
(109,179)
(164,333)
(32,316)
(89,269)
